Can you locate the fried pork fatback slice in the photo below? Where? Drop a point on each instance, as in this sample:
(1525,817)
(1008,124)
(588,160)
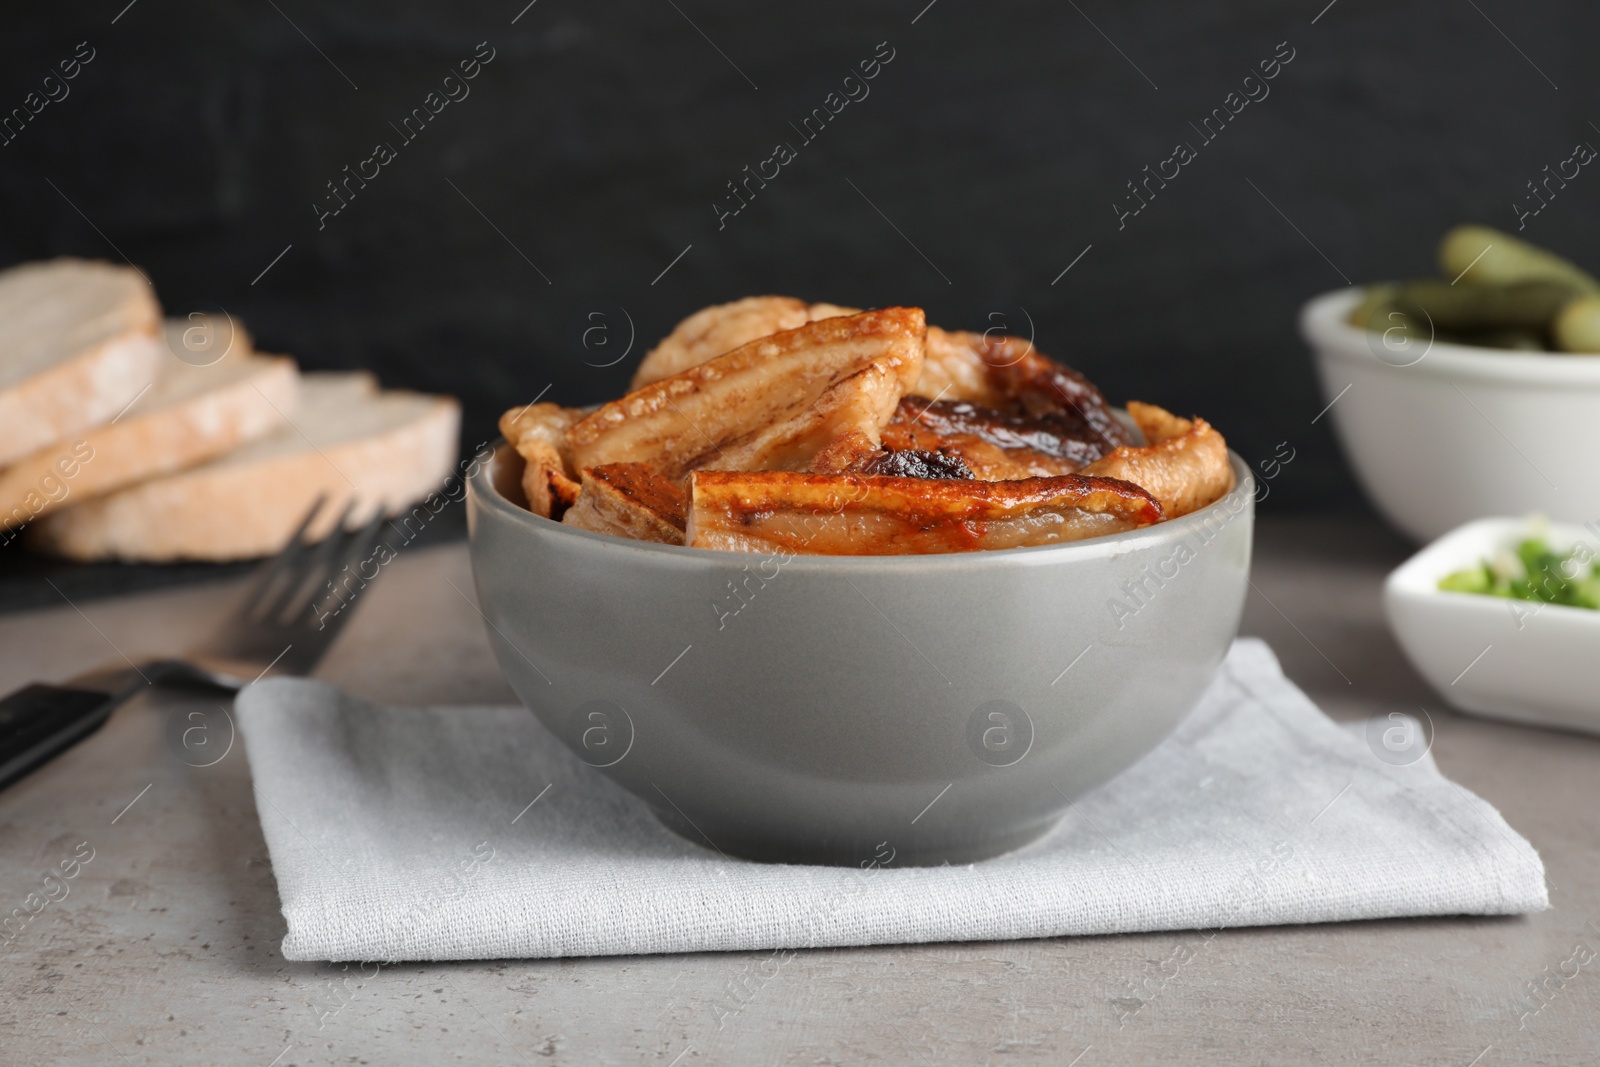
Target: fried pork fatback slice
(1185,466)
(954,368)
(539,434)
(630,500)
(721,328)
(874,515)
(1010,375)
(996,445)
(773,402)
(852,452)
(860,405)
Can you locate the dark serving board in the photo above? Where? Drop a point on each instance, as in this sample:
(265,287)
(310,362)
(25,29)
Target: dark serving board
(29,580)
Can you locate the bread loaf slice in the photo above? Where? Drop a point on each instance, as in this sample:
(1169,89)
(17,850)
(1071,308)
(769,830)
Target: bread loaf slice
(385,450)
(186,414)
(78,339)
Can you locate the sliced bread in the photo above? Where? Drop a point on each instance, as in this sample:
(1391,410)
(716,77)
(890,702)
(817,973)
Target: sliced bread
(185,414)
(78,339)
(349,441)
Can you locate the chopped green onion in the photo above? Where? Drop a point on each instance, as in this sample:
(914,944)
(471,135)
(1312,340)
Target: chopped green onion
(1532,572)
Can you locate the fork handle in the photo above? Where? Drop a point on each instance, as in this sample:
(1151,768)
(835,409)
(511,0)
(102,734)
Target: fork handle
(38,722)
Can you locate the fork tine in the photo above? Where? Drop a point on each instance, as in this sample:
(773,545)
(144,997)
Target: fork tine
(305,564)
(354,547)
(270,568)
(305,523)
(366,539)
(274,631)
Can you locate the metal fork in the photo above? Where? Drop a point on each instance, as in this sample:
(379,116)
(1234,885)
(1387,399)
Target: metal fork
(282,625)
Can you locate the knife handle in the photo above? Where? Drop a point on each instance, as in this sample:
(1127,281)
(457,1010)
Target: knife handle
(37,722)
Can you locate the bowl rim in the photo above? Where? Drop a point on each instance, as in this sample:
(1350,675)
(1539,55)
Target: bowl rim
(1324,326)
(1418,577)
(480,487)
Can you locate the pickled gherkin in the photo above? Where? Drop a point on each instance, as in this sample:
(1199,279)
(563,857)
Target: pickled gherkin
(1497,292)
(1473,306)
(1485,255)
(1577,328)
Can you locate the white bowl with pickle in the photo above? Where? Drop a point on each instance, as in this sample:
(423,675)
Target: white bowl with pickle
(1473,395)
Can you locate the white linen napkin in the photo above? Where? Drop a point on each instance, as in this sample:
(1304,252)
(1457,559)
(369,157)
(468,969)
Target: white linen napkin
(408,834)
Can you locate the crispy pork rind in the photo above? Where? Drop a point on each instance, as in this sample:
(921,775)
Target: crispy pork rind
(630,500)
(864,514)
(774,402)
(713,331)
(539,434)
(1185,465)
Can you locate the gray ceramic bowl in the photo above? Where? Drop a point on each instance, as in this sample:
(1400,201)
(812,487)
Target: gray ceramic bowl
(826,709)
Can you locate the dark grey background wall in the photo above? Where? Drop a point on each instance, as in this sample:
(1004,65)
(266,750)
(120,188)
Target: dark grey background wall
(989,154)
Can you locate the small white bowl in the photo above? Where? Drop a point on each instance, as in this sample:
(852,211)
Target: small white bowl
(1443,433)
(1505,659)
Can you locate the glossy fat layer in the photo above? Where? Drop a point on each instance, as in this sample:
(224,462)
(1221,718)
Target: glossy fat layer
(862,514)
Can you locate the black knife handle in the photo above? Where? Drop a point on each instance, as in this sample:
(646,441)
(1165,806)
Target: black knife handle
(39,721)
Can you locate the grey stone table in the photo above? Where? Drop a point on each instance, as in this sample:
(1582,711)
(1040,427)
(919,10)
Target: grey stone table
(165,950)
